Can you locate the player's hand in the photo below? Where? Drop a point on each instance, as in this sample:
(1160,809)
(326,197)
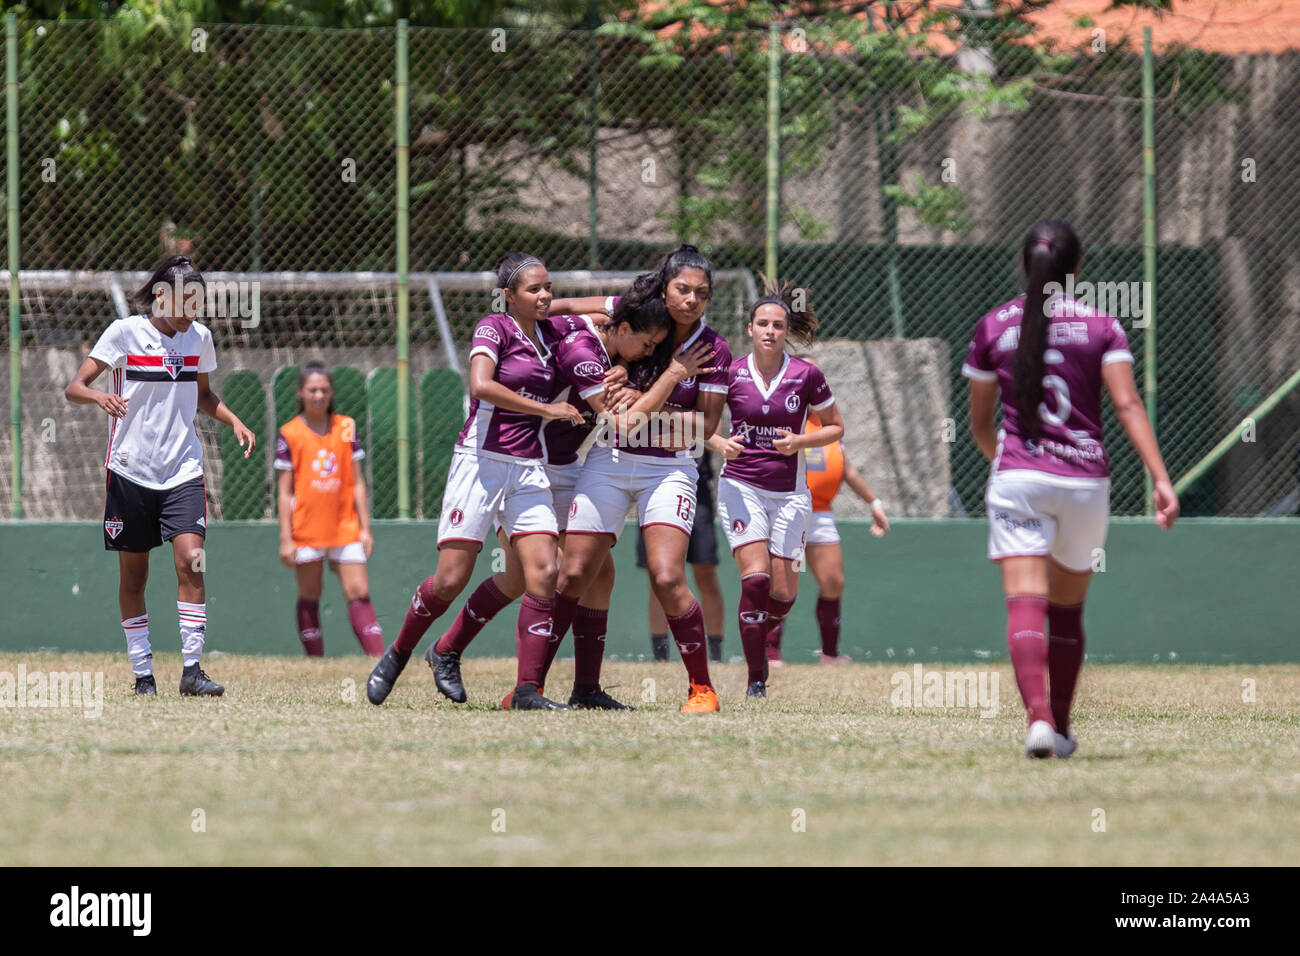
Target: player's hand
(115,405)
(691,362)
(785,444)
(562,410)
(879,523)
(287,552)
(368,543)
(1166,503)
(731,448)
(247,440)
(615,376)
(619,399)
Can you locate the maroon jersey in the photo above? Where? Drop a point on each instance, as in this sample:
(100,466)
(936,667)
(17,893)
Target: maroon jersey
(1080,341)
(580,364)
(524,369)
(757,414)
(686,394)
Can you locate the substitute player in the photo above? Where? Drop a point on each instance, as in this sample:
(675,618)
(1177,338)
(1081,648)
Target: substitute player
(161,360)
(1048,356)
(654,468)
(827,468)
(763,495)
(324,512)
(498,473)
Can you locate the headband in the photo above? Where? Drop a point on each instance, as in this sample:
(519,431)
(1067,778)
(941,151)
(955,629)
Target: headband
(529,261)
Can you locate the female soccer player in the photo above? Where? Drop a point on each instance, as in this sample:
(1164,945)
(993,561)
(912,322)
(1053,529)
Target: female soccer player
(323,510)
(584,357)
(763,495)
(654,471)
(1048,494)
(497,472)
(160,359)
(827,469)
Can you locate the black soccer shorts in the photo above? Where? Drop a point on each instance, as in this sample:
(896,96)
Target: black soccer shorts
(138,519)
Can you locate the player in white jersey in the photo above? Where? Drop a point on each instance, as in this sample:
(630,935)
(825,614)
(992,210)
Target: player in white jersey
(1048,494)
(763,498)
(160,363)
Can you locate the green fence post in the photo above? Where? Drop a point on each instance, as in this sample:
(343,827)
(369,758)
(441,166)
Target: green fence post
(1149,240)
(593,212)
(15,325)
(773,146)
(403,276)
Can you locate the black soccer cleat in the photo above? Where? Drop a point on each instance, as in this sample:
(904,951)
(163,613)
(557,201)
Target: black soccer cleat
(715,650)
(659,645)
(446,674)
(195,683)
(527,697)
(596,700)
(146,686)
(756,689)
(384,676)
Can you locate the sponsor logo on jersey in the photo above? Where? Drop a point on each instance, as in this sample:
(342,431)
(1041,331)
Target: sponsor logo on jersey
(792,403)
(114,527)
(589,369)
(489,333)
(737,526)
(688,382)
(173,362)
(456,517)
(325,464)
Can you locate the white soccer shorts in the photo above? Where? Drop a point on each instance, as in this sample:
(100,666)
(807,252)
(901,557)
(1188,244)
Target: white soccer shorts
(352,553)
(564,483)
(663,490)
(481,490)
(822,529)
(751,514)
(1033,513)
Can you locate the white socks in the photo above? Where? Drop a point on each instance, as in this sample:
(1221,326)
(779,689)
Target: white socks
(194,622)
(138,651)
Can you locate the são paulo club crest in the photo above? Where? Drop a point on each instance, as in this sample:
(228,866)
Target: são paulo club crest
(114,527)
(737,527)
(456,517)
(792,403)
(173,362)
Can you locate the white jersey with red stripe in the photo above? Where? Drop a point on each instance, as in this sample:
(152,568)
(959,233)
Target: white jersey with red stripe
(155,444)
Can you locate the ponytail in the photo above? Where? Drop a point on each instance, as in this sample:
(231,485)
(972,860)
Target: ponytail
(1050,251)
(801,323)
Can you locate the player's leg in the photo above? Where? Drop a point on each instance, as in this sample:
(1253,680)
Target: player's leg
(826,562)
(309,573)
(131,528)
(658,620)
(589,625)
(666,563)
(191,611)
(350,566)
(536,624)
(788,517)
(133,575)
(702,556)
(754,564)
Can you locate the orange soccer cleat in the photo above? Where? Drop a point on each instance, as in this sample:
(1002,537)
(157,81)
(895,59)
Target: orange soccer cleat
(510,695)
(703,700)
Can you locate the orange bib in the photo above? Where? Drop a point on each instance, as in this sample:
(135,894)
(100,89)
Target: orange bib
(324,479)
(825,469)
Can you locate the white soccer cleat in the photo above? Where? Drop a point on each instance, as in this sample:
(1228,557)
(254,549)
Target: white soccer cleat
(1066,744)
(1041,740)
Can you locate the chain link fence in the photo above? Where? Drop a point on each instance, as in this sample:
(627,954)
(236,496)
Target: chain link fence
(268,154)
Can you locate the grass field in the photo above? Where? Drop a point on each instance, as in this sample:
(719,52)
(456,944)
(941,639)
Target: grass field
(293,766)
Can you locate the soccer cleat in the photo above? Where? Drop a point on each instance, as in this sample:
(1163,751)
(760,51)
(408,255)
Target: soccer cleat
(756,689)
(597,700)
(446,673)
(528,697)
(659,645)
(384,676)
(195,683)
(146,686)
(510,694)
(838,659)
(702,700)
(715,650)
(1040,742)
(1066,744)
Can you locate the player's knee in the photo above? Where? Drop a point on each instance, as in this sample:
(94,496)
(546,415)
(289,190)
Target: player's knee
(833,586)
(666,579)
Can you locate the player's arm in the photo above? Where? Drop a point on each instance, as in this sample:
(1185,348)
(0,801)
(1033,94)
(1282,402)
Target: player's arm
(210,404)
(832,430)
(583,305)
(484,387)
(284,506)
(983,400)
(79,391)
(359,498)
(1132,415)
(858,485)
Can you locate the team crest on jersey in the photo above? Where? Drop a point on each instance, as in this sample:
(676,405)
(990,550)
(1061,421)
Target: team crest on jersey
(173,362)
(792,403)
(489,333)
(737,526)
(456,517)
(114,527)
(766,408)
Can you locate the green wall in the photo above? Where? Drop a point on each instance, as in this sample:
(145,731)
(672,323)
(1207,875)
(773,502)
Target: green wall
(1210,591)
